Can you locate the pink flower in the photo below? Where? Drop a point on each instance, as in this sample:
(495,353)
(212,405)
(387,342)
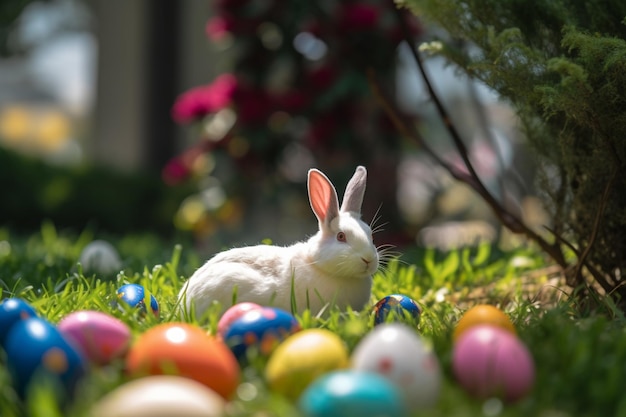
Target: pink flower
(218,27)
(358,16)
(396,34)
(322,77)
(180,168)
(253,105)
(203,100)
(175,172)
(293,101)
(232,5)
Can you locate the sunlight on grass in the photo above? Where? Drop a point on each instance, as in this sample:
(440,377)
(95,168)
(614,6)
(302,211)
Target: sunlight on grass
(577,358)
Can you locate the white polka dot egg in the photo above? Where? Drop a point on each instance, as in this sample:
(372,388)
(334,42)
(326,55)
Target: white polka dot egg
(401,355)
(101,257)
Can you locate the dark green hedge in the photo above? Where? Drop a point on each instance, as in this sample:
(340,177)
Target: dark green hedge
(86,196)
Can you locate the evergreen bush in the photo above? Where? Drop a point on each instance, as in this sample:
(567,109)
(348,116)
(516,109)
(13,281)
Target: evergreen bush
(562,65)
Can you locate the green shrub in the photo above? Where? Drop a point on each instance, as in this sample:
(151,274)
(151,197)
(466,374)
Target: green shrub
(561,64)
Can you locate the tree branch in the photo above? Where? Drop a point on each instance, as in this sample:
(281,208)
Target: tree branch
(574,280)
(596,227)
(508,219)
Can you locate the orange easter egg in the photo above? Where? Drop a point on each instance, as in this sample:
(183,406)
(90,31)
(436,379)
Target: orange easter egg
(185,350)
(483,314)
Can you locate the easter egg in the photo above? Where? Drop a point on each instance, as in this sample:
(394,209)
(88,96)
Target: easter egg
(489,361)
(36,350)
(185,350)
(302,357)
(13,310)
(352,393)
(160,396)
(397,353)
(101,257)
(262,329)
(101,337)
(135,296)
(232,314)
(483,314)
(399,307)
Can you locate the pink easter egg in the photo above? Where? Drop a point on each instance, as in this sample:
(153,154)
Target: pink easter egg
(491,362)
(232,314)
(102,338)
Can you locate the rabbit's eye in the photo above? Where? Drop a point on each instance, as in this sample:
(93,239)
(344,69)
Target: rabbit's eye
(341,236)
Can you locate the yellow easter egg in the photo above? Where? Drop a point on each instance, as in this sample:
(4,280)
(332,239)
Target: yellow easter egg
(303,357)
(483,314)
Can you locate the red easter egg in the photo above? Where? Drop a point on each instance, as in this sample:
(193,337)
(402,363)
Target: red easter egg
(185,350)
(489,361)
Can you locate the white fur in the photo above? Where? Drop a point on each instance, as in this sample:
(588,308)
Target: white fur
(323,270)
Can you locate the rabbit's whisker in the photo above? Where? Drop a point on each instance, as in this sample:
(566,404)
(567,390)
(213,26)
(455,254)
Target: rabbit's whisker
(379,227)
(386,254)
(377,216)
(387,250)
(389,253)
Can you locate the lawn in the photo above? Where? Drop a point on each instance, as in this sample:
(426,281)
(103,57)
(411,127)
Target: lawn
(580,355)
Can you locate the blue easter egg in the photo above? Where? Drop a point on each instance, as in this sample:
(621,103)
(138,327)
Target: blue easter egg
(13,310)
(36,350)
(262,328)
(402,307)
(134,295)
(352,393)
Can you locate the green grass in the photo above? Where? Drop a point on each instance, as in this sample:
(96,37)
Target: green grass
(580,355)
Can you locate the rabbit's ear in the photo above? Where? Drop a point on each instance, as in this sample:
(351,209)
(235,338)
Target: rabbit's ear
(323,197)
(355,190)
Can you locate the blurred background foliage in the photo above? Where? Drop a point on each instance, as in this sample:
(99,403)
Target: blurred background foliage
(298,93)
(9,12)
(295,95)
(84,196)
(205,117)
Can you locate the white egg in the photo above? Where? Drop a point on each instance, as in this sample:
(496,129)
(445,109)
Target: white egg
(160,396)
(397,352)
(100,256)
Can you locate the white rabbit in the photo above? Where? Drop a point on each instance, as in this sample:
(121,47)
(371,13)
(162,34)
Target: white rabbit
(334,267)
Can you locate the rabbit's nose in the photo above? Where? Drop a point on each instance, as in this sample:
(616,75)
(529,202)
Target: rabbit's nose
(370,263)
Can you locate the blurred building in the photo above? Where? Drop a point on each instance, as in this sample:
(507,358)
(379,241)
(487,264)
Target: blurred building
(97,79)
